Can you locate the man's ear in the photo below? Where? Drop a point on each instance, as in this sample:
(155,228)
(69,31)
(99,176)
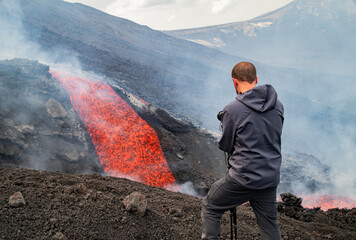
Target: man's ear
(235,82)
(256,79)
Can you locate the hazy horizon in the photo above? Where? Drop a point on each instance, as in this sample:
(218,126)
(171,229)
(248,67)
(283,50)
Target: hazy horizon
(182,14)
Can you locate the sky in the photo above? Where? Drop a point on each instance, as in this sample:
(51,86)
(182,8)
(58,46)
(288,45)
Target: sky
(182,14)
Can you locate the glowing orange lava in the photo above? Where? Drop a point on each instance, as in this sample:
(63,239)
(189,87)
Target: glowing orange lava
(326,202)
(126,145)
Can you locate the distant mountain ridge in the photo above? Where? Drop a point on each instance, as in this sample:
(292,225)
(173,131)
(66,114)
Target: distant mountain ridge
(316,35)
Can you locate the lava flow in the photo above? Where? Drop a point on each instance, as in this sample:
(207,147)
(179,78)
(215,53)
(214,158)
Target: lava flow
(326,202)
(126,145)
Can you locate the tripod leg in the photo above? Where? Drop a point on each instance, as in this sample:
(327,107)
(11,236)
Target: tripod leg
(235,222)
(231,225)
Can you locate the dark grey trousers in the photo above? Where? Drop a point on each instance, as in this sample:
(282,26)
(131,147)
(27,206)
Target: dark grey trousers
(227,193)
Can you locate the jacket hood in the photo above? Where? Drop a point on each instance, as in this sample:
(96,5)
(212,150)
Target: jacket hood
(261,98)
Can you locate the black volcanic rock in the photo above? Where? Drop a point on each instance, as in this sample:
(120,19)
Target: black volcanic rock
(38,125)
(291,206)
(191,152)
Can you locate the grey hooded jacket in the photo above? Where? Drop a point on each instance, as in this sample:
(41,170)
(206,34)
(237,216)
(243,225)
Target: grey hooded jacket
(251,134)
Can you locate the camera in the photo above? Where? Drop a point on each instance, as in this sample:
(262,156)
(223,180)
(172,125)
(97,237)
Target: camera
(220,114)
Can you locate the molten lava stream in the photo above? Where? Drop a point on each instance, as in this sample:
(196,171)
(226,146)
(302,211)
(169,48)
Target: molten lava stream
(326,202)
(126,145)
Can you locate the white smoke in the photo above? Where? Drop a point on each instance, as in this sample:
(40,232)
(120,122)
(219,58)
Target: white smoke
(16,43)
(188,188)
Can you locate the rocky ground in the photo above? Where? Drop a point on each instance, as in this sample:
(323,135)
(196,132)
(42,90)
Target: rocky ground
(67,206)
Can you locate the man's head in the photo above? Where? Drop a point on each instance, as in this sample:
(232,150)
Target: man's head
(244,76)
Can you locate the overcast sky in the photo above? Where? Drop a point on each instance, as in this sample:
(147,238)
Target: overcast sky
(180,14)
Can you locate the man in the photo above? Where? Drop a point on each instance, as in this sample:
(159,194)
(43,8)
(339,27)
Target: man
(251,135)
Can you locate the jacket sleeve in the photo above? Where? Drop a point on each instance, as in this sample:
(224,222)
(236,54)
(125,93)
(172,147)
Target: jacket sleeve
(226,142)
